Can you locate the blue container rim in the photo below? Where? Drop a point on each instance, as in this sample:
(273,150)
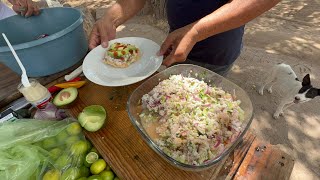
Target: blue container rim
(49,38)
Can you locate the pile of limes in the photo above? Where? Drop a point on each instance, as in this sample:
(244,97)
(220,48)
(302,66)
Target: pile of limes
(72,157)
(99,169)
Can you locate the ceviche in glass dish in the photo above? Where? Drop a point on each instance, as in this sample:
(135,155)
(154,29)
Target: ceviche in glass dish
(190,116)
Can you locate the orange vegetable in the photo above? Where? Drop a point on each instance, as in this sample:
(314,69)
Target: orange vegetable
(76,84)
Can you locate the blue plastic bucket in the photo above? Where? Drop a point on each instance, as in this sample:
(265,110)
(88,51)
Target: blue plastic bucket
(64,47)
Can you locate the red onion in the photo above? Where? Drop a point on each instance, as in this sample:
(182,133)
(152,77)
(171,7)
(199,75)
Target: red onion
(196,98)
(206,105)
(50,112)
(208,91)
(218,142)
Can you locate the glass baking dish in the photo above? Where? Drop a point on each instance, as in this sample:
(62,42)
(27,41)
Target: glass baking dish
(134,108)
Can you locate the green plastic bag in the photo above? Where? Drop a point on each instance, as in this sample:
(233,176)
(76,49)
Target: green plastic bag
(42,149)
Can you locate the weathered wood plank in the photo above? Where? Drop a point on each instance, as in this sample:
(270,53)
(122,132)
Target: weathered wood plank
(240,153)
(266,162)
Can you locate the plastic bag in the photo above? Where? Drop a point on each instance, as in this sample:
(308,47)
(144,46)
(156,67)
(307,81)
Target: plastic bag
(42,149)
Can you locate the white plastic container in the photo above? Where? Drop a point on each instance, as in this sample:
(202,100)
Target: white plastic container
(36,94)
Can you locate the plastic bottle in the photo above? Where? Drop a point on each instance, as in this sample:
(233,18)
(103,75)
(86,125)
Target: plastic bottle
(36,94)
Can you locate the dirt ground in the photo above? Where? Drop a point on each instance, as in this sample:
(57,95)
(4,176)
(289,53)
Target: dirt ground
(288,33)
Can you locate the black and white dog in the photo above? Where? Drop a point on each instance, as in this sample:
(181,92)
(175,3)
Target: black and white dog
(294,91)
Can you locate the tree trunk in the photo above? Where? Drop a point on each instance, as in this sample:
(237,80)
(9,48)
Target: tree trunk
(155,7)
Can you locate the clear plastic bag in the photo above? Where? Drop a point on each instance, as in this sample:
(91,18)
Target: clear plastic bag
(42,149)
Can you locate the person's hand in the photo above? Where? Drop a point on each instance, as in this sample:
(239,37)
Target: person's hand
(25,8)
(103,31)
(178,45)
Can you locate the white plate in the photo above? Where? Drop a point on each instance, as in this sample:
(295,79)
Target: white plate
(106,75)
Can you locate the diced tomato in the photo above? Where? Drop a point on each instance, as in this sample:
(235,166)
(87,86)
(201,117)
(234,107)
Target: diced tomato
(123,52)
(115,54)
(122,58)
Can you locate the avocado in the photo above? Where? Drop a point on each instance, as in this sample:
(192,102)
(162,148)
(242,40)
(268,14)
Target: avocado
(92,118)
(65,97)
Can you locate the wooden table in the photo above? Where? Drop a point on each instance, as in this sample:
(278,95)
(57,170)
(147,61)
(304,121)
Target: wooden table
(131,158)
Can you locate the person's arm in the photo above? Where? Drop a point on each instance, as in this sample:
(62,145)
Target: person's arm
(123,10)
(231,15)
(105,28)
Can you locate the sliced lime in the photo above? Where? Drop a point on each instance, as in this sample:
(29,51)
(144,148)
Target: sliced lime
(92,157)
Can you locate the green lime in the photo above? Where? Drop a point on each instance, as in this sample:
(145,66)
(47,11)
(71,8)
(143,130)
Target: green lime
(49,143)
(74,128)
(94,150)
(83,178)
(84,171)
(33,176)
(55,153)
(79,148)
(107,175)
(78,160)
(72,173)
(71,140)
(62,136)
(108,168)
(39,144)
(92,157)
(86,164)
(63,161)
(98,166)
(89,144)
(94,177)
(52,175)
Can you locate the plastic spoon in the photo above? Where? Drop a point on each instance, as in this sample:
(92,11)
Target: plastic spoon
(24,77)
